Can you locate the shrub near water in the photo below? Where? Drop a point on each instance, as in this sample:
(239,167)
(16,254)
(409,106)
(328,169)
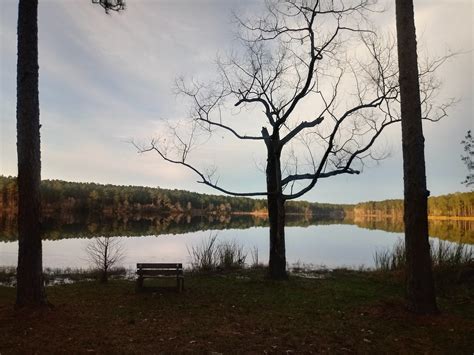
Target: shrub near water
(231,255)
(444,254)
(204,256)
(210,255)
(391,259)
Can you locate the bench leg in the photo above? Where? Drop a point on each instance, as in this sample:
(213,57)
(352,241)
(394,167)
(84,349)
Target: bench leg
(139,285)
(180,284)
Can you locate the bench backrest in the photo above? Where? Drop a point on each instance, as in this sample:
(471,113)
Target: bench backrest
(160,266)
(159,269)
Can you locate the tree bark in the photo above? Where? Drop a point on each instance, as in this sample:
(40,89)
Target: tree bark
(30,283)
(420,292)
(276,212)
(105,266)
(104,276)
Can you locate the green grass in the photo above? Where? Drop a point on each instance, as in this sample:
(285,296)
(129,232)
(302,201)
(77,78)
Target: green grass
(240,311)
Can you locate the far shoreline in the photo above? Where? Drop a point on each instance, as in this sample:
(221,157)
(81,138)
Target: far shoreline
(432,217)
(435,218)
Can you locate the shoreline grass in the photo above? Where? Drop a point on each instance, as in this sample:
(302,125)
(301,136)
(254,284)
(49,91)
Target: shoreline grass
(58,276)
(213,255)
(443,255)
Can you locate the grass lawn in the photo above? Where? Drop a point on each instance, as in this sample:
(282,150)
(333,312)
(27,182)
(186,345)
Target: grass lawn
(344,312)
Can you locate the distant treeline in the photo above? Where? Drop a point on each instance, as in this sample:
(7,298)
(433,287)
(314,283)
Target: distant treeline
(451,205)
(65,198)
(62,197)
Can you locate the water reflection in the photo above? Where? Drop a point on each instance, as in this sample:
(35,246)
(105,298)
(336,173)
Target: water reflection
(458,231)
(333,243)
(86,226)
(90,226)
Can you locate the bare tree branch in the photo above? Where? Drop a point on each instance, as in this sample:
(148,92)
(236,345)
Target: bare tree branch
(105,253)
(205,178)
(289,60)
(202,110)
(111,5)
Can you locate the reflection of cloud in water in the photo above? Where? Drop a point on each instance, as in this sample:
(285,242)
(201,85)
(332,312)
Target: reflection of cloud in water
(336,245)
(61,253)
(174,248)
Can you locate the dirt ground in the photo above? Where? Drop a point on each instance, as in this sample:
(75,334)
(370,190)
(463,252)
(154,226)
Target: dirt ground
(343,312)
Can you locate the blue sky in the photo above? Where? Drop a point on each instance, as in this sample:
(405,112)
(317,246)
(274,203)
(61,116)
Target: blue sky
(107,79)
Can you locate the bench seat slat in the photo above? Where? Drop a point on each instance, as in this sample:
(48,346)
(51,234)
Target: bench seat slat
(159,272)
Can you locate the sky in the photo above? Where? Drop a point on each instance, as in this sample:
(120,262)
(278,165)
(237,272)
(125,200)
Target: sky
(108,79)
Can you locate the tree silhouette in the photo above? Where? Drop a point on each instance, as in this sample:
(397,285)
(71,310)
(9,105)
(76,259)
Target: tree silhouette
(295,54)
(420,291)
(30,283)
(105,253)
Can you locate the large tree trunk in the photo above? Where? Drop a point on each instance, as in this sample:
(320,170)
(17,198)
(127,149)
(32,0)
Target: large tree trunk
(276,215)
(420,292)
(30,285)
(104,276)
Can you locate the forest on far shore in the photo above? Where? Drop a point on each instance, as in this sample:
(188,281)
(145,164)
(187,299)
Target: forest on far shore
(459,204)
(62,197)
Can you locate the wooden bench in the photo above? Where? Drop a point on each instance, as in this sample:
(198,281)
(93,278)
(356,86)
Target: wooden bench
(160,270)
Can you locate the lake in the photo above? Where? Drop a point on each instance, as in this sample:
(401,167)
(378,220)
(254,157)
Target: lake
(328,243)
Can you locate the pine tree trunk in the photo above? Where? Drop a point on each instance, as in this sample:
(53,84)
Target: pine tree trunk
(30,285)
(276,215)
(420,292)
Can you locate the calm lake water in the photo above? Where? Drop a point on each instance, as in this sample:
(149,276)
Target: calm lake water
(316,243)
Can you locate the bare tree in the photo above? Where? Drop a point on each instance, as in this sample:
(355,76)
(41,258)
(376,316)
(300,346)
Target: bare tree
(327,88)
(105,253)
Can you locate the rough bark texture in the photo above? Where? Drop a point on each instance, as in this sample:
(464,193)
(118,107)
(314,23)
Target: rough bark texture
(420,293)
(276,212)
(30,285)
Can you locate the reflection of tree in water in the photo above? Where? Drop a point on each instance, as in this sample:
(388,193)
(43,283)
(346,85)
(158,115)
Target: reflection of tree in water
(8,228)
(87,226)
(460,231)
